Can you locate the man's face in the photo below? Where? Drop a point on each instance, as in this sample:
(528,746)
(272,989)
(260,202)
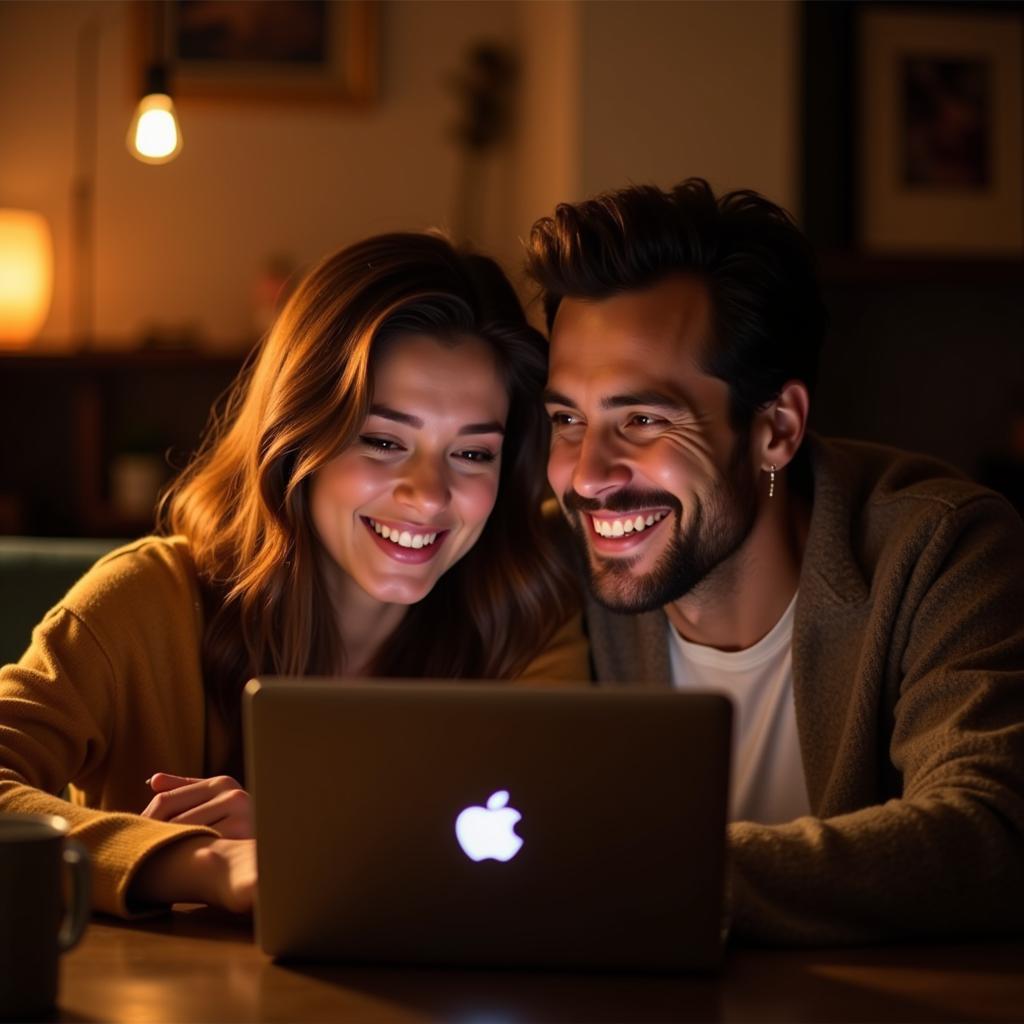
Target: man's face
(656,484)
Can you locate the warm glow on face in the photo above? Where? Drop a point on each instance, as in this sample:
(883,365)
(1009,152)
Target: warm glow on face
(424,467)
(26,275)
(154,136)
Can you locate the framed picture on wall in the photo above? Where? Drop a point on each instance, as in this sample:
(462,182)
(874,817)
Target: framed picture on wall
(941,159)
(262,50)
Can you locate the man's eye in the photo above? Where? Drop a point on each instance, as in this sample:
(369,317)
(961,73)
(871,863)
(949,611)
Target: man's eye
(642,420)
(564,419)
(380,444)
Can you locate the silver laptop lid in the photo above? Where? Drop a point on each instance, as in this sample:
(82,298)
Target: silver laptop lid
(488,824)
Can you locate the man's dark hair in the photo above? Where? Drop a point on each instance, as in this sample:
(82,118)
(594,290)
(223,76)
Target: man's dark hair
(769,320)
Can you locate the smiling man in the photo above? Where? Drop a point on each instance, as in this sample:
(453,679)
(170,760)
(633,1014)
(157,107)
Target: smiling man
(863,607)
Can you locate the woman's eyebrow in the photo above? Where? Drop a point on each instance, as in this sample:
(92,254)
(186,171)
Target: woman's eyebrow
(492,427)
(387,413)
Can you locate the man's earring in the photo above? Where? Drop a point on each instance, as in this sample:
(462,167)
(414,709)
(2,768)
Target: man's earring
(771,481)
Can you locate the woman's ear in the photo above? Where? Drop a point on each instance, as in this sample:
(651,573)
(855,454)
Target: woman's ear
(781,426)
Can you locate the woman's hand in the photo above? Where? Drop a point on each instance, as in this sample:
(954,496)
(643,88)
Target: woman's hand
(220,803)
(219,872)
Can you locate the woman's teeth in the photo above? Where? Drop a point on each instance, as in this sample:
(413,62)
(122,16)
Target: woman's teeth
(629,524)
(403,538)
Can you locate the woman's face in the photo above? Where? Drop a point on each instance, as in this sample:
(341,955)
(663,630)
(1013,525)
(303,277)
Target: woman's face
(411,495)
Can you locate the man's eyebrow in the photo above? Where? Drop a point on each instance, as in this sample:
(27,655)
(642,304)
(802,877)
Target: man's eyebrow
(649,397)
(556,398)
(387,413)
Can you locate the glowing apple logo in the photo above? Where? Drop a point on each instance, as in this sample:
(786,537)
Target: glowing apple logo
(488,833)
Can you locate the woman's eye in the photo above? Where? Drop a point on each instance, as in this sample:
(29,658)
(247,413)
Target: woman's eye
(476,455)
(380,444)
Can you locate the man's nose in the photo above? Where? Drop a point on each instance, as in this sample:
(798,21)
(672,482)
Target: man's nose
(600,467)
(424,488)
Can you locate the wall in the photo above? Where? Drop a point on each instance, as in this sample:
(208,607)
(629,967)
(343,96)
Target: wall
(548,125)
(678,89)
(611,92)
(182,244)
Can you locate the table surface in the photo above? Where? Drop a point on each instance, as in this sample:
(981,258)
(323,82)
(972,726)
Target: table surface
(200,965)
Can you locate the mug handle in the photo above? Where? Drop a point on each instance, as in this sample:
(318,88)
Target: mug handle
(76,916)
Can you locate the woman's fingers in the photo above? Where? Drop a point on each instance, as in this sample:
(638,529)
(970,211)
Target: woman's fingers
(162,782)
(169,803)
(228,812)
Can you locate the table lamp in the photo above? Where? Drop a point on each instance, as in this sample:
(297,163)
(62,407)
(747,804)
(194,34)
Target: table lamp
(26,276)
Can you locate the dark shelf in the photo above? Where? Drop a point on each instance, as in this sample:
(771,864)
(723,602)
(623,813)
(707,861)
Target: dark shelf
(131,359)
(847,267)
(69,421)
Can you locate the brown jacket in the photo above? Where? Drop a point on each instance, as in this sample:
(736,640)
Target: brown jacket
(908,678)
(111,690)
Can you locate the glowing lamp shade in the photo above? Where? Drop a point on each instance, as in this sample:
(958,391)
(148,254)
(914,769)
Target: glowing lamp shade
(26,276)
(154,136)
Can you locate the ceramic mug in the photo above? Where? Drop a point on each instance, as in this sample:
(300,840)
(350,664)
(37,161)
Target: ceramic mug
(37,863)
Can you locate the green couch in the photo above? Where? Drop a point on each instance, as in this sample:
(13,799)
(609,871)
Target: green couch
(35,573)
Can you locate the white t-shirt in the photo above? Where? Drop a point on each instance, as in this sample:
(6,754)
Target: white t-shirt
(768,784)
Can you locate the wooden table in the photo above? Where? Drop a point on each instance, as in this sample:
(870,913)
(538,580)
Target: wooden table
(199,965)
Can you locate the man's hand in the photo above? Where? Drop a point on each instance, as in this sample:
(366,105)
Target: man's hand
(220,872)
(220,803)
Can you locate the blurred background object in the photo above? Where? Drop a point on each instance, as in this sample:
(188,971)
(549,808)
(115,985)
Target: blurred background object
(1002,468)
(344,118)
(26,276)
(484,88)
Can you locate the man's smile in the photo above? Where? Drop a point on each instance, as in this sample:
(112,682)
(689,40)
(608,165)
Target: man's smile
(617,533)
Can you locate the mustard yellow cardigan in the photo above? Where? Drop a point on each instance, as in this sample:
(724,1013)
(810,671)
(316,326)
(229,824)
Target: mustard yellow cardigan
(110,691)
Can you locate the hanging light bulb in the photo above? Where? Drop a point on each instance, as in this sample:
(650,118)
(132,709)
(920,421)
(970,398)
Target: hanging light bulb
(154,135)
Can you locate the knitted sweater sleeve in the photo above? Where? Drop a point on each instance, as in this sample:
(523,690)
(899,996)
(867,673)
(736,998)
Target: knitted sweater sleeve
(78,709)
(946,858)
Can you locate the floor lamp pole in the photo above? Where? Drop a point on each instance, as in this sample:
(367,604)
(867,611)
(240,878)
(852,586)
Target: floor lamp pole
(83,186)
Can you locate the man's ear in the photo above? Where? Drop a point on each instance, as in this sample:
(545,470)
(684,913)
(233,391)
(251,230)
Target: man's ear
(781,425)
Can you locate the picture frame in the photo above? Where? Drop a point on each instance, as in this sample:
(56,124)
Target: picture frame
(261,51)
(940,166)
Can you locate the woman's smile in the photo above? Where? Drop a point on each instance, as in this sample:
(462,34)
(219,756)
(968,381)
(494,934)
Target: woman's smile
(405,542)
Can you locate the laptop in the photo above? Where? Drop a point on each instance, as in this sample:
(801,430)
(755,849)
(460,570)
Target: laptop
(488,824)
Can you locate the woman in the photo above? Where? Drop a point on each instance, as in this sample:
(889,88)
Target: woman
(369,504)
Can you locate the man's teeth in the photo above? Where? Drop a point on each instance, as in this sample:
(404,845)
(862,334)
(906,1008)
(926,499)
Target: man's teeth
(628,524)
(403,538)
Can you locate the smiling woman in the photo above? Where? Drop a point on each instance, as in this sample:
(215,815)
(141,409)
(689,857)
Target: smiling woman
(368,504)
(417,487)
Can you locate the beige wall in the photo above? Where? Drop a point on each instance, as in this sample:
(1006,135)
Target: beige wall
(182,244)
(549,122)
(699,88)
(612,91)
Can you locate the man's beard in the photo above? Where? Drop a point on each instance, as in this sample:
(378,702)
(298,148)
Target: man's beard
(718,527)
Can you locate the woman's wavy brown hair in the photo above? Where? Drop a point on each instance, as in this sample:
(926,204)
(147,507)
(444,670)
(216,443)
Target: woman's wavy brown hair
(302,397)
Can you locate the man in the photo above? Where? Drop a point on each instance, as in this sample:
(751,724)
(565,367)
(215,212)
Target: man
(863,607)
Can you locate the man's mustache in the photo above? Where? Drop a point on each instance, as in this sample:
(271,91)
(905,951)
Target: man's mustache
(621,501)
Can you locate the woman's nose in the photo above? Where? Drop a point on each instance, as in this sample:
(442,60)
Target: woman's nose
(424,488)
